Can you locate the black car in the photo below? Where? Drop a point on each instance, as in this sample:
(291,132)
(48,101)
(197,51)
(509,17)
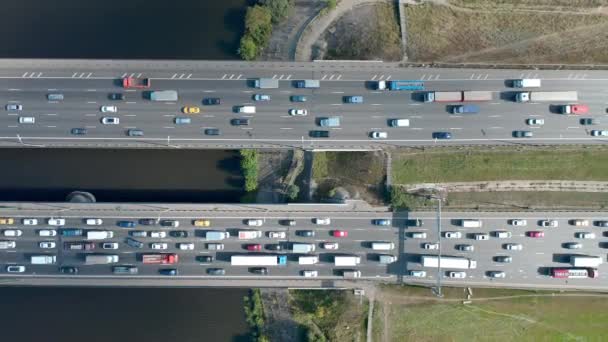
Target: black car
(212,131)
(68,270)
(319,134)
(239,122)
(216,271)
(503,258)
(259,270)
(274,247)
(134,243)
(522,134)
(211,101)
(305,233)
(601,223)
(168,271)
(117,96)
(204,258)
(148,222)
(290,223)
(442,135)
(79,131)
(179,233)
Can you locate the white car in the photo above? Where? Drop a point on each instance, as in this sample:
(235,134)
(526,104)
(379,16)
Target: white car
(7,244)
(93,222)
(535,122)
(277,235)
(30,222)
(497,274)
(457,275)
(330,245)
(513,246)
(47,244)
(158,235)
(298,112)
(27,119)
(431,246)
(110,120)
(584,235)
(452,235)
(13,232)
(109,109)
(417,274)
(254,222)
(598,133)
(310,274)
(158,245)
(15,269)
(47,232)
(573,245)
(12,106)
(109,245)
(322,221)
(186,246)
(549,223)
(56,222)
(482,236)
(519,223)
(378,135)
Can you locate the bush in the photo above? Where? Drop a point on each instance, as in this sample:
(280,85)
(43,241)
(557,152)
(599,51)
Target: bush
(258,27)
(279,9)
(248,50)
(331,4)
(254,315)
(401,199)
(293,191)
(249,167)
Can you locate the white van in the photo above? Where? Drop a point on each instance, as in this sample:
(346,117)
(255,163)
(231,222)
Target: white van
(468,223)
(99,234)
(527,83)
(399,122)
(43,259)
(308,260)
(246,109)
(383,246)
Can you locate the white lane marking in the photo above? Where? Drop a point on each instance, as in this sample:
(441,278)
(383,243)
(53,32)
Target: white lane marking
(169,115)
(336,104)
(52,89)
(130,114)
(91,102)
(495,116)
(376,104)
(337,92)
(90,114)
(496,127)
(91,90)
(15,126)
(208,91)
(169,127)
(415,104)
(573,127)
(130,102)
(14,89)
(455,128)
(495,103)
(51,114)
(286,128)
(51,126)
(90,126)
(12,114)
(417,128)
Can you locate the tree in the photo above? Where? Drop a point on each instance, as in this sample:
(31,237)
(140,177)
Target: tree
(293,191)
(248,50)
(258,24)
(279,9)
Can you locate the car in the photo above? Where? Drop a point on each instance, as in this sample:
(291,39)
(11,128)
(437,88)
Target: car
(212,131)
(378,135)
(505,259)
(298,98)
(215,246)
(413,223)
(158,234)
(12,232)
(254,222)
(79,131)
(481,236)
(239,122)
(178,233)
(353,99)
(452,235)
(417,274)
(47,244)
(168,271)
(255,247)
(212,101)
(584,235)
(201,223)
(116,96)
(7,220)
(576,109)
(535,122)
(276,235)
(170,223)
(134,243)
(126,224)
(430,246)
(536,234)
(7,244)
(497,274)
(158,245)
(259,270)
(318,134)
(523,134)
(148,222)
(68,270)
(502,234)
(274,247)
(465,248)
(261,97)
(513,246)
(191,110)
(134,132)
(305,233)
(47,232)
(14,107)
(27,119)
(55,222)
(573,245)
(182,121)
(109,245)
(548,223)
(125,270)
(601,223)
(579,222)
(29,221)
(442,135)
(216,271)
(325,221)
(139,233)
(599,133)
(204,258)
(339,233)
(186,246)
(457,275)
(589,121)
(381,222)
(287,222)
(110,120)
(109,109)
(15,269)
(310,274)
(93,221)
(87,246)
(330,245)
(519,222)
(298,112)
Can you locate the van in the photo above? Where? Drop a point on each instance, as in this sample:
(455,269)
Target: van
(386,259)
(308,260)
(418,235)
(43,259)
(527,83)
(7,244)
(54,97)
(383,246)
(333,121)
(99,234)
(246,109)
(469,223)
(399,123)
(303,248)
(100,259)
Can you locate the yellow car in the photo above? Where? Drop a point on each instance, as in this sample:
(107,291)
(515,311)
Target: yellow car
(202,223)
(191,110)
(6,220)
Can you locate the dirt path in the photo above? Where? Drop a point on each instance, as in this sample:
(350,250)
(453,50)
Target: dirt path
(512,185)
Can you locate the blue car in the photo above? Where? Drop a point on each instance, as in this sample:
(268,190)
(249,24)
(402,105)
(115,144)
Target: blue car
(298,98)
(125,224)
(182,121)
(353,99)
(442,135)
(382,222)
(168,271)
(261,97)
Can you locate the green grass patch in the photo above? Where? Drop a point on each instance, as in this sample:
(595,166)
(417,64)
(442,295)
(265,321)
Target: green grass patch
(319,166)
(549,5)
(527,199)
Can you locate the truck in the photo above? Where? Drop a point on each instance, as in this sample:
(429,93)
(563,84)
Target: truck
(137,83)
(443,96)
(258,260)
(308,260)
(526,83)
(100,259)
(347,260)
(99,234)
(303,248)
(585,261)
(471,223)
(308,84)
(386,258)
(400,85)
(265,83)
(447,262)
(163,95)
(71,232)
(533,96)
(215,235)
(160,258)
(79,246)
(43,259)
(382,246)
(249,234)
(476,95)
(332,121)
(574,273)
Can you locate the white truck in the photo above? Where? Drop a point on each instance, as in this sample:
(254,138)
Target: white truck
(302,248)
(249,234)
(526,83)
(585,261)
(100,259)
(43,259)
(558,96)
(347,260)
(266,83)
(351,274)
(258,260)
(308,260)
(99,234)
(471,223)
(447,262)
(383,246)
(215,235)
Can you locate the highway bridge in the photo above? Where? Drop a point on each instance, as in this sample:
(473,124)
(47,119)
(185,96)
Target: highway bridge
(86,86)
(529,267)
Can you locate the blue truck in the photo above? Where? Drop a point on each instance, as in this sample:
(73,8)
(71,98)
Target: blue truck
(400,85)
(465,109)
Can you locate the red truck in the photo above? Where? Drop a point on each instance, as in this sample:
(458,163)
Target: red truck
(138,83)
(574,273)
(163,258)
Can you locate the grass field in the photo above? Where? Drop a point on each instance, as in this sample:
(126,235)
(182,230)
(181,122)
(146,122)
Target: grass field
(527,199)
(550,5)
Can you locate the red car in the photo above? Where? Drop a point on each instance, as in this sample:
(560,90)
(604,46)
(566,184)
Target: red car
(254,247)
(340,233)
(576,109)
(536,234)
